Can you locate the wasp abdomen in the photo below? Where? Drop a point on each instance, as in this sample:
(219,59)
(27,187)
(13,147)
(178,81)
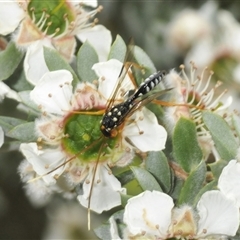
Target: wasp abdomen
(149,83)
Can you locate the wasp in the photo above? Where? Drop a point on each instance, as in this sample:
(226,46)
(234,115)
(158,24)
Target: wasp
(115,115)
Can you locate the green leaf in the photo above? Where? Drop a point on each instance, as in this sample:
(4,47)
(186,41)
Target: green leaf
(157,165)
(9,60)
(118,49)
(86,58)
(103,232)
(185,145)
(217,167)
(208,187)
(143,59)
(222,135)
(8,123)
(178,184)
(236,124)
(145,179)
(125,177)
(145,68)
(192,185)
(124,199)
(24,132)
(25,97)
(55,61)
(20,82)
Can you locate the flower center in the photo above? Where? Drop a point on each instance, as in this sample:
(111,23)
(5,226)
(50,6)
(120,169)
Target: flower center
(51,17)
(85,139)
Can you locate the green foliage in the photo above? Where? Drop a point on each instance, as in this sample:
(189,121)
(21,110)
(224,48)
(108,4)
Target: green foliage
(86,58)
(143,59)
(118,49)
(18,129)
(9,60)
(157,165)
(217,167)
(55,61)
(186,150)
(222,135)
(208,187)
(103,232)
(236,124)
(145,179)
(25,99)
(192,185)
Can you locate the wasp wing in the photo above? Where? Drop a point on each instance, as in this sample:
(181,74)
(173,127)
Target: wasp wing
(123,72)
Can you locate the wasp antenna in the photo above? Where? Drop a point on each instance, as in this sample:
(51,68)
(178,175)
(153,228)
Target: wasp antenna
(35,179)
(69,160)
(91,187)
(99,112)
(89,219)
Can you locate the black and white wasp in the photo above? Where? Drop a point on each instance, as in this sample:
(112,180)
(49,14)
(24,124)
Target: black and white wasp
(115,115)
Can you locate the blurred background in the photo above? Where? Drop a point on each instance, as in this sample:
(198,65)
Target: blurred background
(171,32)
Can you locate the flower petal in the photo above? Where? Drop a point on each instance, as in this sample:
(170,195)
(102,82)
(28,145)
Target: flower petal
(65,46)
(43,161)
(108,189)
(100,38)
(145,133)
(229,181)
(113,229)
(10,16)
(149,212)
(218,215)
(1,136)
(108,73)
(34,63)
(53,92)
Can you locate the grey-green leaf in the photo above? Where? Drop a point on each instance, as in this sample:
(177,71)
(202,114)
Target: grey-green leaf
(208,187)
(24,132)
(143,59)
(145,179)
(103,232)
(185,145)
(9,60)
(118,49)
(8,123)
(86,58)
(157,165)
(222,135)
(192,185)
(236,124)
(217,167)
(25,97)
(55,61)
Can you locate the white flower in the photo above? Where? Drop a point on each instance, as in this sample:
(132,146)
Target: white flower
(229,181)
(193,94)
(38,192)
(37,24)
(191,24)
(71,143)
(218,215)
(152,215)
(149,214)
